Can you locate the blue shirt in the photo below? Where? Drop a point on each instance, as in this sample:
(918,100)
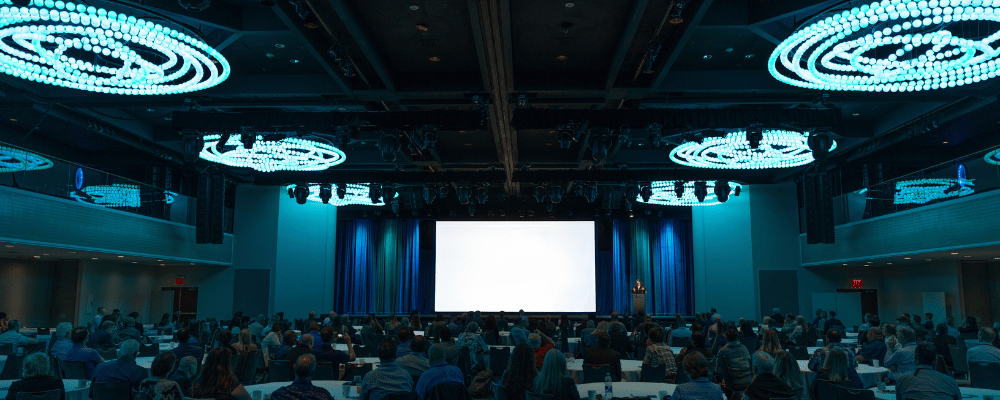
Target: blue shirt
(317,342)
(984,353)
(15,339)
(61,347)
(439,373)
(188,350)
(97,323)
(903,360)
(90,357)
(301,389)
(698,389)
(475,343)
(518,335)
(388,378)
(118,371)
(403,349)
(874,350)
(101,338)
(926,383)
(819,357)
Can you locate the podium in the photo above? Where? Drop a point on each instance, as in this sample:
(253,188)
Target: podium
(638,303)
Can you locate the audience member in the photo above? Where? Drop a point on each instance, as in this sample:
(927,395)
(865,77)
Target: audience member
(765,384)
(257,326)
(874,349)
(942,342)
(952,330)
(969,326)
(787,369)
(902,360)
(314,331)
(403,336)
(699,388)
(984,353)
(836,371)
(217,378)
(619,340)
(591,339)
(521,372)
(96,323)
(4,319)
(833,342)
(604,355)
(185,373)
(102,338)
(439,372)
(122,369)
(415,363)
(737,358)
(288,341)
(472,340)
(328,354)
(586,332)
(776,318)
(80,352)
(770,343)
(541,345)
(36,377)
(924,382)
(305,346)
(518,334)
(833,322)
(802,334)
(388,378)
(62,343)
(746,331)
(245,345)
(271,342)
(450,348)
(695,345)
(659,353)
(302,387)
(185,348)
(14,337)
(128,331)
(552,379)
(158,386)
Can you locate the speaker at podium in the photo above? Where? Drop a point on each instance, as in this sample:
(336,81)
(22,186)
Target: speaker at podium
(638,298)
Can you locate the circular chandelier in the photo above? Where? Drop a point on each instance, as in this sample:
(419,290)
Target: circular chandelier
(116,195)
(892,46)
(14,160)
(664,193)
(777,149)
(356,194)
(993,157)
(288,154)
(88,48)
(922,191)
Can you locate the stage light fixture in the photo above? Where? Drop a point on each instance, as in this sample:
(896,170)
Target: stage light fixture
(590,192)
(722,190)
(556,193)
(777,149)
(388,191)
(464,193)
(429,193)
(599,148)
(374,193)
(472,209)
(700,191)
(291,192)
(549,207)
(354,194)
(655,135)
(755,134)
(248,139)
(395,207)
(645,192)
(565,139)
(540,193)
(893,46)
(819,144)
(482,194)
(631,192)
(993,157)
(51,42)
(17,160)
(301,193)
(665,193)
(679,187)
(289,154)
(737,190)
(325,193)
(922,191)
(628,205)
(341,191)
(443,191)
(388,144)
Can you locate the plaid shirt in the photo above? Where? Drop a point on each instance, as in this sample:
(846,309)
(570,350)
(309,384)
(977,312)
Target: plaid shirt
(301,389)
(388,378)
(660,353)
(819,357)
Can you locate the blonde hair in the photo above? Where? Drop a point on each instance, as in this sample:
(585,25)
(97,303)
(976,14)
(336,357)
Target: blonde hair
(787,369)
(245,337)
(601,328)
(836,365)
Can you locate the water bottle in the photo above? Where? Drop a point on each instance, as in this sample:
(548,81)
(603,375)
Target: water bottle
(608,392)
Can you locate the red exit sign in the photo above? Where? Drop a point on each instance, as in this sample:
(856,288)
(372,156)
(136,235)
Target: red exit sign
(856,283)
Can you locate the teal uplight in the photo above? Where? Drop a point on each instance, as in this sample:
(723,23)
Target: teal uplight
(777,149)
(355,194)
(17,160)
(87,48)
(288,154)
(893,46)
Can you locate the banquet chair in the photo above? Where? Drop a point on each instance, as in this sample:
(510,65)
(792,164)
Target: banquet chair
(490,337)
(6,349)
(151,350)
(844,393)
(279,371)
(448,391)
(498,392)
(984,376)
(47,395)
(750,344)
(401,396)
(325,372)
(74,369)
(499,356)
(355,371)
(33,348)
(595,373)
(12,369)
(800,353)
(529,395)
(111,390)
(248,373)
(679,341)
(961,364)
(108,354)
(653,374)
(828,390)
(362,351)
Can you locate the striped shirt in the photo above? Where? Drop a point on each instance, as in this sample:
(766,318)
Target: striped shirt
(388,378)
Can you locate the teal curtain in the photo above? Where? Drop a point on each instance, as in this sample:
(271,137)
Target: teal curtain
(379,268)
(658,252)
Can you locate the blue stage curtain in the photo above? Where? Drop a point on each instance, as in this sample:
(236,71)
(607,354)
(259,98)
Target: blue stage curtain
(379,268)
(658,252)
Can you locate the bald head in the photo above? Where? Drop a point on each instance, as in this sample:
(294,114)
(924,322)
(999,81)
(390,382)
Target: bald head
(436,354)
(305,366)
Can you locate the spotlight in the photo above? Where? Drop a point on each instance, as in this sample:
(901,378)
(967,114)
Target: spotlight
(565,139)
(195,5)
(388,192)
(722,189)
(193,144)
(646,191)
(463,194)
(700,190)
(631,192)
(549,207)
(325,193)
(374,192)
(388,144)
(429,194)
(223,140)
(755,134)
(736,192)
(650,59)
(482,194)
(291,193)
(599,148)
(679,189)
(301,193)
(443,191)
(395,207)
(430,137)
(540,193)
(248,139)
(341,191)
(472,209)
(578,190)
(556,193)
(820,144)
(628,205)
(590,192)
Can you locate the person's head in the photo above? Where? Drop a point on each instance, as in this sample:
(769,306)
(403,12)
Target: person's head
(986,335)
(108,325)
(63,329)
(245,337)
(889,330)
(766,321)
(696,365)
(907,335)
(79,334)
(345,319)
(746,329)
(603,340)
(102,311)
(276,328)
(836,365)
(903,320)
(521,365)
(314,326)
(535,340)
(916,319)
(436,354)
(387,350)
(549,379)
(874,333)
(130,348)
(655,335)
(312,315)
(941,329)
(833,314)
(35,365)
(776,310)
(472,327)
(326,335)
(762,363)
(832,336)
(418,344)
(216,372)
(697,339)
(162,365)
(289,339)
(819,312)
(788,370)
(590,323)
(732,335)
(14,326)
(789,318)
(307,340)
(226,337)
(801,322)
(129,322)
(614,315)
(403,334)
(305,366)
(445,334)
(165,319)
(770,341)
(189,366)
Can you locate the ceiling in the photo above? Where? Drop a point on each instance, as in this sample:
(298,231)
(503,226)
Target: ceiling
(519,57)
(45,253)
(990,254)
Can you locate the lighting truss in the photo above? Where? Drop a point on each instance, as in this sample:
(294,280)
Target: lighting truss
(357,195)
(15,160)
(88,48)
(893,46)
(778,149)
(288,154)
(922,191)
(993,157)
(116,195)
(664,195)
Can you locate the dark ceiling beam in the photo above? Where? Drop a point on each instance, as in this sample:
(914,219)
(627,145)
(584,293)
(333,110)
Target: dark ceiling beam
(313,43)
(676,51)
(221,15)
(402,177)
(625,41)
(132,133)
(357,31)
(493,20)
(679,117)
(324,121)
(631,175)
(779,10)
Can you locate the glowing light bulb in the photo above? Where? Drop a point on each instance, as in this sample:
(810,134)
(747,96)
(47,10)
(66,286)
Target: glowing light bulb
(664,195)
(777,149)
(15,160)
(288,154)
(922,191)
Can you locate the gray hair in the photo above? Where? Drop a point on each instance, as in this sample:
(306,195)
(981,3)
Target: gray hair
(534,340)
(189,365)
(776,310)
(129,321)
(129,349)
(308,339)
(436,354)
(35,365)
(907,335)
(763,363)
(63,329)
(305,366)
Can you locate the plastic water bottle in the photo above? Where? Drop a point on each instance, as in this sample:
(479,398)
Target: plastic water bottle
(608,392)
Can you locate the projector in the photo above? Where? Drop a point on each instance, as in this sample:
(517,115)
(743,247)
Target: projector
(195,5)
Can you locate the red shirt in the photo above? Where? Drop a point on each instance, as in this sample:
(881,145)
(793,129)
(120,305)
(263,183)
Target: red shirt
(540,354)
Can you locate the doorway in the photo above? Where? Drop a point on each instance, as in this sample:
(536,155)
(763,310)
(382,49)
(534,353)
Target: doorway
(869,300)
(185,302)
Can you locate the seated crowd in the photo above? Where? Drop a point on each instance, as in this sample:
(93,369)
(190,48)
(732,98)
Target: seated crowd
(717,359)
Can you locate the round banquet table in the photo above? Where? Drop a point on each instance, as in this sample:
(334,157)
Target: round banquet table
(628,389)
(966,393)
(165,347)
(334,387)
(161,338)
(870,376)
(3,361)
(630,370)
(72,387)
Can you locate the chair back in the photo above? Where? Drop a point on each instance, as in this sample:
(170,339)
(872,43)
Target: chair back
(984,376)
(248,364)
(595,373)
(529,395)
(827,390)
(809,338)
(279,371)
(498,392)
(74,369)
(151,350)
(108,354)
(711,368)
(363,351)
(111,390)
(960,364)
(940,365)
(12,368)
(682,376)
(33,348)
(325,372)
(351,371)
(499,356)
(448,391)
(464,360)
(490,337)
(401,396)
(54,367)
(6,349)
(679,341)
(54,394)
(650,373)
(750,344)
(800,352)
(844,393)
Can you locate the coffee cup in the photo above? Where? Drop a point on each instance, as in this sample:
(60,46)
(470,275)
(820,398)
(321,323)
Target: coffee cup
(591,395)
(347,391)
(664,394)
(256,395)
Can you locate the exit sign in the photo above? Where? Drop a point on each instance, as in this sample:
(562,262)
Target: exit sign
(856,283)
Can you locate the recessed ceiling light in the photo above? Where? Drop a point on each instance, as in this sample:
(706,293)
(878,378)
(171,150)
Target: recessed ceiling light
(707,56)
(944,142)
(192,263)
(414,7)
(954,254)
(845,264)
(150,110)
(9,246)
(279,45)
(44,254)
(135,262)
(160,260)
(95,258)
(749,55)
(72,252)
(294,61)
(906,258)
(423,27)
(435,58)
(162,265)
(38,256)
(562,57)
(890,263)
(968,256)
(121,256)
(729,50)
(856,114)
(13,120)
(269,55)
(570,5)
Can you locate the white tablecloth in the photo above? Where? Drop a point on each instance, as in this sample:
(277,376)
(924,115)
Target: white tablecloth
(870,376)
(72,387)
(165,347)
(628,389)
(3,361)
(630,370)
(161,338)
(334,387)
(978,393)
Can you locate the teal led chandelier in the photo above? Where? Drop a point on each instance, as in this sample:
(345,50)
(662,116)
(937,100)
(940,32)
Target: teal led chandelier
(893,46)
(287,154)
(777,149)
(116,195)
(353,194)
(87,48)
(665,194)
(993,157)
(922,191)
(17,160)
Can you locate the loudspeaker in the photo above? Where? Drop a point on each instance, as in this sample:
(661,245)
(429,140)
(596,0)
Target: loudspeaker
(211,203)
(817,194)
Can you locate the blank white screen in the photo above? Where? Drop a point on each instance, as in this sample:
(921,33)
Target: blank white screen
(537,266)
